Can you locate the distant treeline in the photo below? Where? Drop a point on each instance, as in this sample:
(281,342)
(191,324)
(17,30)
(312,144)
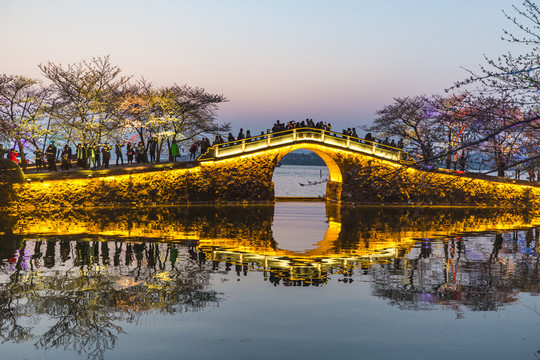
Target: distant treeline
(302,159)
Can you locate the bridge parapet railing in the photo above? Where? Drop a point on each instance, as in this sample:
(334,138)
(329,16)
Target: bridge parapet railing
(287,137)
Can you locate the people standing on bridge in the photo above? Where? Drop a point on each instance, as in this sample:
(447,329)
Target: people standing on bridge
(193,151)
(38,159)
(462,161)
(248,134)
(290,125)
(368,137)
(230,138)
(97,154)
(152,145)
(50,154)
(67,151)
(141,153)
(175,151)
(218,140)
(12,155)
(400,145)
(130,152)
(241,135)
(354,134)
(79,155)
(91,156)
(55,152)
(118,152)
(65,163)
(205,145)
(106,151)
(84,156)
(278,126)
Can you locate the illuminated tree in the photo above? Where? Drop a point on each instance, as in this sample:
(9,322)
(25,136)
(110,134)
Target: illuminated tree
(492,120)
(87,95)
(175,113)
(452,126)
(135,108)
(412,119)
(185,112)
(23,118)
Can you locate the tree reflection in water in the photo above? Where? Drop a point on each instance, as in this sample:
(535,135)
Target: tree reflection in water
(82,274)
(75,286)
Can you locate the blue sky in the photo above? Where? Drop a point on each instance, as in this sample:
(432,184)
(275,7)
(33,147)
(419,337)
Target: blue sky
(337,61)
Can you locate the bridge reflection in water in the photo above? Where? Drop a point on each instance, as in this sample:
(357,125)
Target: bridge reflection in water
(95,268)
(356,237)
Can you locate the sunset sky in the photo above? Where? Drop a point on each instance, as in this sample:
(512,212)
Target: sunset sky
(337,61)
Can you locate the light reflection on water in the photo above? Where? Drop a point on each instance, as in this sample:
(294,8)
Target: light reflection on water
(265,281)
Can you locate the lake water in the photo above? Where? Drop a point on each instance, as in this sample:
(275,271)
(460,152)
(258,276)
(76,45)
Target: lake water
(290,280)
(300,181)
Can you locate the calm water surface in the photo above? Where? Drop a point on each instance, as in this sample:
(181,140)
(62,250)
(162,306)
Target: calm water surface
(300,181)
(290,280)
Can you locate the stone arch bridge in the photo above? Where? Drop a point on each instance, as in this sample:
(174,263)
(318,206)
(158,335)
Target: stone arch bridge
(251,162)
(361,172)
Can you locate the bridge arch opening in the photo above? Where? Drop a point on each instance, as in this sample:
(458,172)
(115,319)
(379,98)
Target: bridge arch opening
(292,178)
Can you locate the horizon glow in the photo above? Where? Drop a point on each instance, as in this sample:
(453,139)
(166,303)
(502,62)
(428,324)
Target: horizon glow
(336,61)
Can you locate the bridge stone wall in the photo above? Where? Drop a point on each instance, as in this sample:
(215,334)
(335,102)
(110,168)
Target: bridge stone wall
(246,179)
(369,180)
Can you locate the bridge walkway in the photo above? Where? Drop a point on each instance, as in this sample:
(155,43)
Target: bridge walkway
(306,135)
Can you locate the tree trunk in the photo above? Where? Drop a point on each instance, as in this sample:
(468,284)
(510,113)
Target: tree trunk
(22,155)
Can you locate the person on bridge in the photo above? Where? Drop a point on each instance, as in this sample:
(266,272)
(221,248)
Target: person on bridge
(152,144)
(175,151)
(278,126)
(205,145)
(241,135)
(218,140)
(130,152)
(369,137)
(91,156)
(141,153)
(97,153)
(12,155)
(39,159)
(106,150)
(118,152)
(193,150)
(50,154)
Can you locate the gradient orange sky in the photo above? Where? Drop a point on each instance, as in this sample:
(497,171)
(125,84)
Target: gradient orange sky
(337,61)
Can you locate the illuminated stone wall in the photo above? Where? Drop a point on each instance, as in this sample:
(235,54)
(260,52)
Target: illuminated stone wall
(354,178)
(373,181)
(247,179)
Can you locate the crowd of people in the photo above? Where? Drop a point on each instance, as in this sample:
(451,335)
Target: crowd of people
(86,156)
(308,123)
(96,156)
